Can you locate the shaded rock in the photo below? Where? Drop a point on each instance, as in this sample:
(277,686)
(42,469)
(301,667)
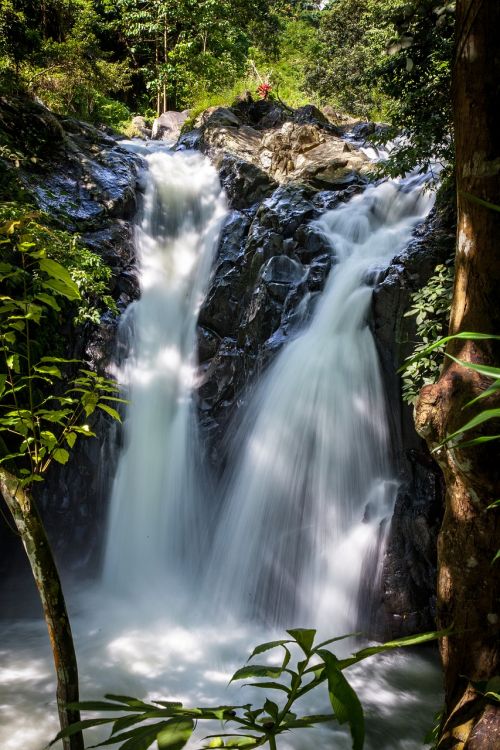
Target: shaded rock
(280,273)
(218,117)
(244,183)
(409,574)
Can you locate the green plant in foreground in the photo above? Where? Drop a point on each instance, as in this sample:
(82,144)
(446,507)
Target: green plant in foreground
(253,726)
(41,413)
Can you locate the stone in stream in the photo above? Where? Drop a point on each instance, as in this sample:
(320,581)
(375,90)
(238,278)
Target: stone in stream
(167,127)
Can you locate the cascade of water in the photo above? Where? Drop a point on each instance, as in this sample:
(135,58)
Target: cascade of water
(156,514)
(306,498)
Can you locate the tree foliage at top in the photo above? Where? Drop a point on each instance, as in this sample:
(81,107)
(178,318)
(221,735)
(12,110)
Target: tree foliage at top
(391,59)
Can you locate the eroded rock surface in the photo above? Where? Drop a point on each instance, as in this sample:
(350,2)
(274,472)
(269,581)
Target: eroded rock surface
(271,144)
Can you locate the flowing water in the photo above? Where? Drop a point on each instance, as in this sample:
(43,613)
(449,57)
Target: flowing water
(159,494)
(305,501)
(313,484)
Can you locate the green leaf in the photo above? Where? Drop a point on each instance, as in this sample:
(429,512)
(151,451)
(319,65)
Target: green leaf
(489,372)
(61,455)
(77,727)
(410,640)
(337,638)
(309,721)
(492,689)
(268,685)
(267,647)
(109,410)
(271,708)
(48,439)
(344,701)
(304,637)
(129,700)
(140,738)
(476,441)
(484,416)
(56,271)
(465,335)
(99,706)
(175,735)
(256,670)
(48,300)
(3,382)
(494,504)
(54,285)
(71,439)
(48,370)
(480,201)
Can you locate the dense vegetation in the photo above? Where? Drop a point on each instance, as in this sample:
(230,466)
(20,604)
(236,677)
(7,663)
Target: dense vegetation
(105,61)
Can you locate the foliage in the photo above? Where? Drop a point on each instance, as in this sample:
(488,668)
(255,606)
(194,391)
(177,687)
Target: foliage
(430,306)
(353,38)
(315,665)
(86,269)
(417,79)
(41,417)
(61,60)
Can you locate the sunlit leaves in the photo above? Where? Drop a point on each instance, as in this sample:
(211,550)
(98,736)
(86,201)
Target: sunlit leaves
(44,406)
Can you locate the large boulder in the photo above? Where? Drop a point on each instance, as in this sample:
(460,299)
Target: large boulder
(279,145)
(168,126)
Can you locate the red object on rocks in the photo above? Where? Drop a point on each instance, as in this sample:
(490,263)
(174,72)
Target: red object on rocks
(264,90)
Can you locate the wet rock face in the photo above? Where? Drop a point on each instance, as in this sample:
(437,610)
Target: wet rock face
(270,266)
(409,577)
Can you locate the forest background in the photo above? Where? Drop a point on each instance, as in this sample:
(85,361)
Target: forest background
(104,61)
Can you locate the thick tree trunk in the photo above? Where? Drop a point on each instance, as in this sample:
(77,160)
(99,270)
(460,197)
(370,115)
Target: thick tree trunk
(36,544)
(468,584)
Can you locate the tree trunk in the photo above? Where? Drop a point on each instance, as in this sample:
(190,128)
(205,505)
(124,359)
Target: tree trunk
(468,584)
(36,544)
(165,60)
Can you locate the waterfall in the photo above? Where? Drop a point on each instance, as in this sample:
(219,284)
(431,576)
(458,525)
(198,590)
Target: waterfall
(156,516)
(308,498)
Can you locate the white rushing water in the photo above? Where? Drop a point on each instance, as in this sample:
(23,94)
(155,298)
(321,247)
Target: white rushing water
(158,497)
(314,482)
(305,497)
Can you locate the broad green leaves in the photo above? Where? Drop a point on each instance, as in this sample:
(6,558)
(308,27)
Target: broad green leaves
(253,727)
(345,703)
(44,406)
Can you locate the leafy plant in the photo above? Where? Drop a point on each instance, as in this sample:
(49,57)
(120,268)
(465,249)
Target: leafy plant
(254,727)
(430,306)
(40,418)
(86,269)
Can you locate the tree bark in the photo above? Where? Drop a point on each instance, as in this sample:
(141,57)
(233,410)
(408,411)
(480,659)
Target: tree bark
(30,527)
(468,584)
